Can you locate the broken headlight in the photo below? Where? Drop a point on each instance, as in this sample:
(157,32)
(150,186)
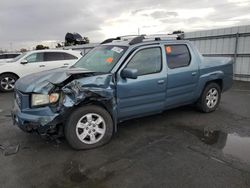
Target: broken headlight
(42,99)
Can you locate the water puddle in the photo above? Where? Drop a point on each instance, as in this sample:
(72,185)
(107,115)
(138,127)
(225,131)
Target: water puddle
(230,144)
(238,146)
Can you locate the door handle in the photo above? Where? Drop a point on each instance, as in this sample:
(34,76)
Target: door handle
(42,66)
(194,73)
(65,64)
(160,81)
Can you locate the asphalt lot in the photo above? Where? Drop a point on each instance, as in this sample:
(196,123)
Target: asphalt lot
(179,148)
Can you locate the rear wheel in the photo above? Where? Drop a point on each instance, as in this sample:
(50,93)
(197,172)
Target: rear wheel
(210,98)
(7,82)
(89,127)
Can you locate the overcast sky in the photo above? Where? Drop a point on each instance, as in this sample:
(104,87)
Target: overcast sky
(26,23)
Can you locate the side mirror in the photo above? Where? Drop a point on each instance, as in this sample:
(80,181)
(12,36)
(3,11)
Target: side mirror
(24,61)
(129,73)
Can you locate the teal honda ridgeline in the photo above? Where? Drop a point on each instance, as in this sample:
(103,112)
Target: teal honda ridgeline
(123,78)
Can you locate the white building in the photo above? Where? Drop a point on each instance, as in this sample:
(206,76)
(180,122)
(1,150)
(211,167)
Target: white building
(229,42)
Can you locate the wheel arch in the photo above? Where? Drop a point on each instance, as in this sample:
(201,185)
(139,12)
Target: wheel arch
(203,85)
(200,102)
(106,105)
(10,73)
(218,81)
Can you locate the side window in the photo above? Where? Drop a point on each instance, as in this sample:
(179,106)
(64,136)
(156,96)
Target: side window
(177,56)
(35,57)
(3,56)
(53,56)
(146,61)
(12,55)
(69,56)
(9,56)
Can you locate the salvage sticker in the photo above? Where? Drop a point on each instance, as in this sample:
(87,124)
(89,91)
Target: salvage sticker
(109,60)
(168,50)
(117,49)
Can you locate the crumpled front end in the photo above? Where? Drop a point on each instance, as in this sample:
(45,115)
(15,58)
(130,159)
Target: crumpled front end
(41,121)
(33,119)
(75,89)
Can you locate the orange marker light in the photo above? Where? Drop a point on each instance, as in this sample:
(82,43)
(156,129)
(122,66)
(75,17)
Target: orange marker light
(109,60)
(168,49)
(53,97)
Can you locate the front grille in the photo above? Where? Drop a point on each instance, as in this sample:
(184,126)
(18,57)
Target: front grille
(22,99)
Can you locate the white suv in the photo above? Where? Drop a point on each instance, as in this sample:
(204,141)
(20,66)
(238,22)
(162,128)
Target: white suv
(32,62)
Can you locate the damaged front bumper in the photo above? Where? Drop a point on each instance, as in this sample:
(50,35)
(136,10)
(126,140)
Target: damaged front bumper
(41,120)
(77,88)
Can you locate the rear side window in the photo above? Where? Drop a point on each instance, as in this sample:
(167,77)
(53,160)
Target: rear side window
(53,56)
(146,61)
(69,56)
(177,56)
(12,55)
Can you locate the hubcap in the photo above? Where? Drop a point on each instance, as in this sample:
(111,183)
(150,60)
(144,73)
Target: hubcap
(8,83)
(91,128)
(212,98)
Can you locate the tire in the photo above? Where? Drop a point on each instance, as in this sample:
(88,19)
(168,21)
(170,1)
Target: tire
(210,98)
(85,122)
(7,82)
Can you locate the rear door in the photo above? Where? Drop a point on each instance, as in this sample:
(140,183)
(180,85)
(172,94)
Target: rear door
(146,94)
(53,60)
(69,59)
(58,59)
(182,74)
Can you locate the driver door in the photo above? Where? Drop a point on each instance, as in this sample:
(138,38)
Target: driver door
(145,94)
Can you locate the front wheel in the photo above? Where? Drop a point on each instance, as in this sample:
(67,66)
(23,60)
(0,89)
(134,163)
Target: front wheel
(7,82)
(210,98)
(89,127)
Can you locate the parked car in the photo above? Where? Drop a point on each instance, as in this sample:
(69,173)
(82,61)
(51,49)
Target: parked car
(119,80)
(5,57)
(32,62)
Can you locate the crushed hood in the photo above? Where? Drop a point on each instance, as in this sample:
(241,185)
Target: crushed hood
(77,86)
(44,81)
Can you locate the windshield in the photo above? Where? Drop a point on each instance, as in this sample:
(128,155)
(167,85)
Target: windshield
(102,58)
(18,57)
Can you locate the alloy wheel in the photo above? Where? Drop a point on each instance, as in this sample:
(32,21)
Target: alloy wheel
(91,128)
(8,83)
(212,98)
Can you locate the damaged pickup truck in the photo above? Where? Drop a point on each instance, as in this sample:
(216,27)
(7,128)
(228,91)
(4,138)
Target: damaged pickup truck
(123,78)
